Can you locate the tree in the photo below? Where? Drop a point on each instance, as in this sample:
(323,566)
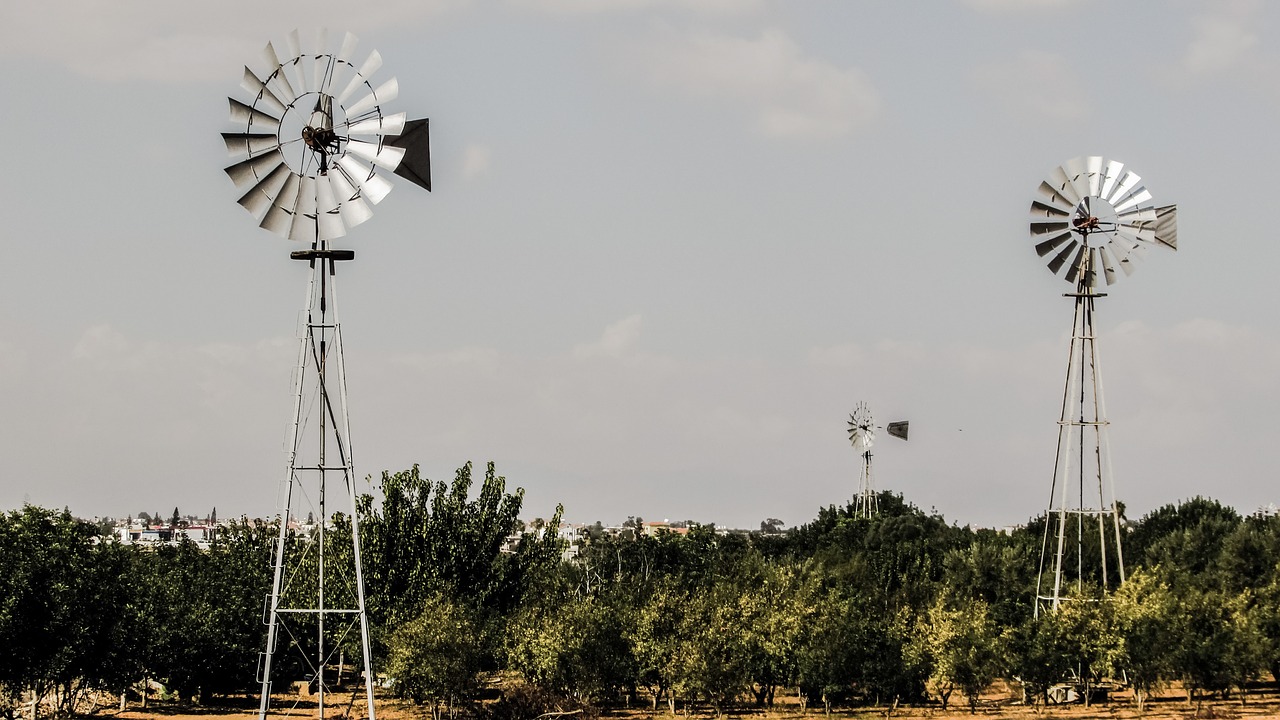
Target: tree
(436,658)
(1144,609)
(962,648)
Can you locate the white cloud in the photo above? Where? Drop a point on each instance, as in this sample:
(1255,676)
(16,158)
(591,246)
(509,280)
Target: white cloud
(1222,39)
(617,339)
(180,42)
(785,92)
(1035,86)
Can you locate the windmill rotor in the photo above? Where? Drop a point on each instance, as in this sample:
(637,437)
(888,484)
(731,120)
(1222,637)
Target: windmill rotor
(1092,217)
(313,134)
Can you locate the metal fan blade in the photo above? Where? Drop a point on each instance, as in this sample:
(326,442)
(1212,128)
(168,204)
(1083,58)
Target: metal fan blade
(370,66)
(385,93)
(1044,228)
(416,141)
(1057,262)
(351,206)
(254,85)
(1140,195)
(343,63)
(1091,269)
(304,214)
(295,67)
(1167,226)
(252,170)
(899,429)
(1048,246)
(1110,176)
(1039,209)
(1127,182)
(276,76)
(372,186)
(1093,174)
(1073,271)
(1137,216)
(388,125)
(242,114)
(387,156)
(1076,170)
(260,197)
(321,61)
(1055,198)
(328,219)
(279,217)
(249,144)
(1108,265)
(1061,183)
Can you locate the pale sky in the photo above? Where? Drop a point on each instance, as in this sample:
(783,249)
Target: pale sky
(672,243)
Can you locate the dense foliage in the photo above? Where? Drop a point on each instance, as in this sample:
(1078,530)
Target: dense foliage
(841,611)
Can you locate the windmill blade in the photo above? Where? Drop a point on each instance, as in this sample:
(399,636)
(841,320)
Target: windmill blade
(1091,268)
(1075,170)
(385,93)
(351,206)
(276,77)
(898,429)
(1109,178)
(343,63)
(1061,182)
(321,62)
(385,125)
(1045,228)
(1108,265)
(304,215)
(250,171)
(1167,226)
(242,114)
(415,140)
(372,186)
(1048,246)
(1041,209)
(1073,271)
(367,69)
(279,217)
(1054,198)
(260,197)
(328,220)
(1126,184)
(1055,265)
(386,156)
(1093,174)
(294,64)
(249,144)
(1140,195)
(254,85)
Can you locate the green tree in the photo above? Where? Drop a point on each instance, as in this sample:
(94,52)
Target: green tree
(436,658)
(962,647)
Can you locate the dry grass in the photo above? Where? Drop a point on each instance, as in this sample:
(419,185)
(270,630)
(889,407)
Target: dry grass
(1263,702)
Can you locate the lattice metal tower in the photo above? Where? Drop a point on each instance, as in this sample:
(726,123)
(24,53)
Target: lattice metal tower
(1092,217)
(311,119)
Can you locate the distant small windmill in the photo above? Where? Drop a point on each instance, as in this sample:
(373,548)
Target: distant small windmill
(862,434)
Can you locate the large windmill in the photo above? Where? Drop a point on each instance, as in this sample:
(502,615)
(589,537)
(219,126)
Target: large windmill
(312,121)
(1091,218)
(862,435)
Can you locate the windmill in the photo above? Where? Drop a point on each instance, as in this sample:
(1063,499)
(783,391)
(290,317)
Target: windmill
(1091,218)
(312,121)
(862,434)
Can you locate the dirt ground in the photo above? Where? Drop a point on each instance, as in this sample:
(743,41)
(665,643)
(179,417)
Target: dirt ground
(1262,702)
